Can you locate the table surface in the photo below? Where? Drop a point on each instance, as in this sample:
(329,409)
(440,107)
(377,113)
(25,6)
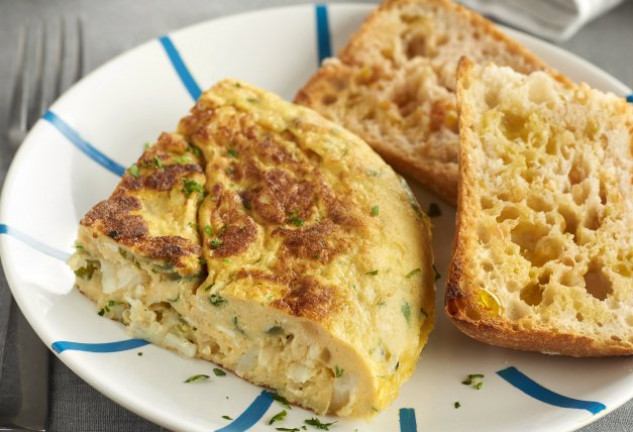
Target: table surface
(114,26)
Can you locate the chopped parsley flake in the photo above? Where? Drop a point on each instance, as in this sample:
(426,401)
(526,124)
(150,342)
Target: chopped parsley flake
(195,150)
(457,404)
(283,429)
(225,417)
(157,162)
(282,400)
(197,377)
(474,380)
(434,210)
(413,273)
(216,299)
(437,274)
(134,170)
(372,273)
(219,372)
(101,312)
(182,160)
(191,186)
(280,416)
(375,210)
(88,270)
(146,145)
(338,372)
(208,230)
(209,287)
(295,219)
(406,311)
(275,330)
(318,424)
(215,243)
(229,170)
(236,324)
(140,354)
(113,234)
(233,153)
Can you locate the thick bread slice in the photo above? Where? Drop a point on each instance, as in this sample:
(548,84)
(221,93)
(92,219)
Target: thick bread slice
(316,276)
(394,83)
(543,256)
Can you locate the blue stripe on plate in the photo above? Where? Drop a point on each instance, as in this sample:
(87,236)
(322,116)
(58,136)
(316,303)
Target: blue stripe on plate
(83,145)
(324,43)
(34,243)
(251,415)
(521,381)
(108,347)
(629,98)
(180,67)
(407,420)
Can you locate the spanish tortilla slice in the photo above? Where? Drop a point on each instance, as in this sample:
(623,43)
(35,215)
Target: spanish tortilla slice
(299,259)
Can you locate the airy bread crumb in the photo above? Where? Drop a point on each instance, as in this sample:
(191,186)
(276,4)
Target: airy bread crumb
(394,83)
(543,258)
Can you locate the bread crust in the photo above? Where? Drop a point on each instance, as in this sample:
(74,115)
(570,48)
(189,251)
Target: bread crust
(462,304)
(417,157)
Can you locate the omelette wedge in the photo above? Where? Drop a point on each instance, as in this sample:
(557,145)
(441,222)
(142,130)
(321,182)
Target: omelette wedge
(290,253)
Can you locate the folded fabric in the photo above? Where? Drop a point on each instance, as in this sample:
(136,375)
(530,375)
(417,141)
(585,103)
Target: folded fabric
(552,19)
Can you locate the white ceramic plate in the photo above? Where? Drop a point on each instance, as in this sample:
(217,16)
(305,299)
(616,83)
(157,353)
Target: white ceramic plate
(128,102)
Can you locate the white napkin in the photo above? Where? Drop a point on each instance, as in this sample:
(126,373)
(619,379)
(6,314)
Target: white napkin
(552,19)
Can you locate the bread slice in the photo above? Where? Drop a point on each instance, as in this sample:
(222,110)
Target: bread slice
(543,256)
(394,83)
(289,253)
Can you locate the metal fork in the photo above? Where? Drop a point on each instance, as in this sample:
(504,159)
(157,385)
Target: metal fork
(44,65)
(30,96)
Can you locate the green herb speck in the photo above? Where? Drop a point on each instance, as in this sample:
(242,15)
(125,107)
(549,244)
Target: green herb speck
(282,400)
(318,424)
(233,153)
(157,162)
(208,230)
(375,210)
(191,186)
(413,273)
(216,299)
(219,372)
(215,244)
(434,210)
(197,377)
(372,273)
(457,404)
(436,274)
(134,170)
(406,311)
(338,372)
(295,219)
(225,417)
(280,416)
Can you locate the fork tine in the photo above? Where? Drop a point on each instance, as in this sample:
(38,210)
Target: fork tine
(79,69)
(39,99)
(61,54)
(19,100)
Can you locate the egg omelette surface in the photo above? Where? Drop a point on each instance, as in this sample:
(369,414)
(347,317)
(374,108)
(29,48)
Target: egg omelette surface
(270,241)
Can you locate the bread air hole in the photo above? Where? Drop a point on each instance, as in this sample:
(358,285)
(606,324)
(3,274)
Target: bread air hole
(532,294)
(571,219)
(597,283)
(508,212)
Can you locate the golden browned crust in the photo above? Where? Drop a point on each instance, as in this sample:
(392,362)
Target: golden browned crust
(423,149)
(122,217)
